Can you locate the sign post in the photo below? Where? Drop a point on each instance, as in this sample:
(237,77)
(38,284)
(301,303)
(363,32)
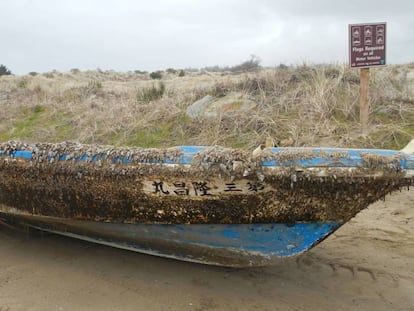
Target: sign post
(363,98)
(366,49)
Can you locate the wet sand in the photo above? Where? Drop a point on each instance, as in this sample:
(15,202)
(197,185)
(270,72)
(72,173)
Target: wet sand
(368,264)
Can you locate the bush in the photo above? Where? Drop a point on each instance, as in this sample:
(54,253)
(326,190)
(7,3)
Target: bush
(33,73)
(171,70)
(140,72)
(283,67)
(4,71)
(150,94)
(182,73)
(156,75)
(249,65)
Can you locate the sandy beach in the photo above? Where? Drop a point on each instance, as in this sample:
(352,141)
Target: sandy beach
(368,264)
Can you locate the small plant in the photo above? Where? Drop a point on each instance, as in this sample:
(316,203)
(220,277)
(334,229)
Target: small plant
(4,71)
(171,70)
(156,75)
(33,73)
(152,93)
(140,72)
(74,70)
(22,83)
(182,73)
(94,85)
(38,109)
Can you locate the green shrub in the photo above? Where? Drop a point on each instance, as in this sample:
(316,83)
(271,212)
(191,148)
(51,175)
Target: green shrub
(182,73)
(140,72)
(171,70)
(4,71)
(38,109)
(150,94)
(156,75)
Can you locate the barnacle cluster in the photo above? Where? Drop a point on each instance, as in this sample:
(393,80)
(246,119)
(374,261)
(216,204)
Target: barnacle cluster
(388,163)
(225,161)
(106,183)
(48,152)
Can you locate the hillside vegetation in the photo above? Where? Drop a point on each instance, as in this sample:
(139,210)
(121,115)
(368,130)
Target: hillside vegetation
(300,106)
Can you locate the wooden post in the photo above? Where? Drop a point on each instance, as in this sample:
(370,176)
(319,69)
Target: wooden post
(363,99)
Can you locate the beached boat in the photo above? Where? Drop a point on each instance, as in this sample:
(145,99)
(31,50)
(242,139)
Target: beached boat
(210,205)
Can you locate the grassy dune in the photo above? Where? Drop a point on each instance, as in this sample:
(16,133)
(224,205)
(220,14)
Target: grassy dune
(300,106)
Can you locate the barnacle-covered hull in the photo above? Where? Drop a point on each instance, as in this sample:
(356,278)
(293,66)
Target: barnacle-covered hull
(204,204)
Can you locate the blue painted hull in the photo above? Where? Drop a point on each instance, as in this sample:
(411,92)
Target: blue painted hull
(233,245)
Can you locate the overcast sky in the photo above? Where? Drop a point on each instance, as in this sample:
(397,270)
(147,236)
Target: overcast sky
(42,35)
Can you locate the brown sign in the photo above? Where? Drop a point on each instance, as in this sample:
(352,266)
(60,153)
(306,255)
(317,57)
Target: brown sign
(367,45)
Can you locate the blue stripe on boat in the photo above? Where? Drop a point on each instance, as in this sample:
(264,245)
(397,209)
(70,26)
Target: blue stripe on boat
(353,158)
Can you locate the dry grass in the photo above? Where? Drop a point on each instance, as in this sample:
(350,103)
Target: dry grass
(304,105)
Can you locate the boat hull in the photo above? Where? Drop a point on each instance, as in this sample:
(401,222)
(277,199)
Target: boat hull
(231,245)
(211,205)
